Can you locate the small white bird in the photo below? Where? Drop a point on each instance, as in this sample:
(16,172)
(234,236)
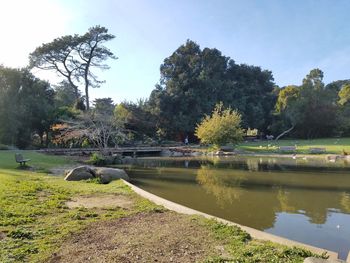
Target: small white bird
(294,156)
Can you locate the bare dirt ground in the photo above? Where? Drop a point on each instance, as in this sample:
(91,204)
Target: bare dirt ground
(145,237)
(103,201)
(2,235)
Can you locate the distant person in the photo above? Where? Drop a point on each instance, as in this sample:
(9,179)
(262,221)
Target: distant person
(186,140)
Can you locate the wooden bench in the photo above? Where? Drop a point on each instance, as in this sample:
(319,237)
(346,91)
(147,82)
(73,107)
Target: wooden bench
(317,150)
(20,159)
(287,148)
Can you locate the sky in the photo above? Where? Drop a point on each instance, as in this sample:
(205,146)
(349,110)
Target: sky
(287,37)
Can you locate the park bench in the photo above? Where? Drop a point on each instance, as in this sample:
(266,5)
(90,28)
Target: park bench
(317,150)
(287,148)
(20,159)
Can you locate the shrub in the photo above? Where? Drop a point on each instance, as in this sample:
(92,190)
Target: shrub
(99,160)
(4,147)
(222,127)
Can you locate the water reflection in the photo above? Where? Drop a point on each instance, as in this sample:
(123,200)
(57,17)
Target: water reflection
(213,183)
(269,194)
(345,202)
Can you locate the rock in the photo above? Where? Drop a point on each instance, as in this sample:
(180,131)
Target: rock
(107,175)
(80,173)
(320,260)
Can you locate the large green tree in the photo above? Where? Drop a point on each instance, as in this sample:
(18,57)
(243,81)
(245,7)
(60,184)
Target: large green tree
(344,109)
(74,57)
(26,107)
(194,80)
(138,119)
(310,109)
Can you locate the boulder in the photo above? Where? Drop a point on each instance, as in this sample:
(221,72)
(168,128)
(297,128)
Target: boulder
(80,173)
(107,175)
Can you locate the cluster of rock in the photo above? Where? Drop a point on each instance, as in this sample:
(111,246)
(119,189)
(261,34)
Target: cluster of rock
(105,175)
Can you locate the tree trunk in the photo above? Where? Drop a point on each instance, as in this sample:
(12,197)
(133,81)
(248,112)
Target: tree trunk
(87,95)
(47,139)
(41,135)
(283,133)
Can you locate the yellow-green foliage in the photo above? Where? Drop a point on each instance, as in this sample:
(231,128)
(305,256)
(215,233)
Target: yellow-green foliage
(222,127)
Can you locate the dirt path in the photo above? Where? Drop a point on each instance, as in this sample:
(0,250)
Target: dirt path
(100,201)
(145,237)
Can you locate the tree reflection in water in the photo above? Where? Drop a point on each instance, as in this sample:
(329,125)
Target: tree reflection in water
(213,181)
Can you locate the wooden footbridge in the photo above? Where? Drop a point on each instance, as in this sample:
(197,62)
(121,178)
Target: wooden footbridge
(132,151)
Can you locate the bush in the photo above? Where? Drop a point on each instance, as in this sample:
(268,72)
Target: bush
(85,143)
(99,160)
(222,127)
(4,147)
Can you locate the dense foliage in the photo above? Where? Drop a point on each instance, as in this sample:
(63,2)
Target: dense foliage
(26,107)
(75,57)
(221,127)
(194,80)
(312,109)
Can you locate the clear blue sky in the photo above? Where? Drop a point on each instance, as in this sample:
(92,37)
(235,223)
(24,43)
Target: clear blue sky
(287,37)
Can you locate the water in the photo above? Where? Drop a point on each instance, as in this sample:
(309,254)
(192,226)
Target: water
(303,200)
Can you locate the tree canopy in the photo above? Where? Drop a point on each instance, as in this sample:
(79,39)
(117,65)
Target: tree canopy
(74,57)
(194,80)
(26,107)
(310,108)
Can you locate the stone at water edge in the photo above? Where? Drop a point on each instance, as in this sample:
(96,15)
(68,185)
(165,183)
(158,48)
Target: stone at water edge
(107,175)
(320,260)
(80,173)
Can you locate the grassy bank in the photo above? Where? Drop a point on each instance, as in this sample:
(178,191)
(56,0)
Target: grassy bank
(332,145)
(35,220)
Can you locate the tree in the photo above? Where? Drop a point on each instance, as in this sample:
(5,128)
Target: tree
(26,107)
(344,109)
(74,57)
(137,118)
(194,80)
(98,128)
(222,127)
(311,108)
(288,116)
(104,106)
(65,95)
(344,95)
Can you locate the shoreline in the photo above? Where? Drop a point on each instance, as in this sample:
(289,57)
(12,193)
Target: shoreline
(257,234)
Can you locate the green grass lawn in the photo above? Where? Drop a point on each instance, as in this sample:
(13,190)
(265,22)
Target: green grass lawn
(35,220)
(33,214)
(332,145)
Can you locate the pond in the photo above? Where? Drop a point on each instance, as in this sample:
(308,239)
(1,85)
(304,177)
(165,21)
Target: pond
(300,199)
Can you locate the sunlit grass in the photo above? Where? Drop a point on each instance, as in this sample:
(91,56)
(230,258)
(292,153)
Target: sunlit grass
(35,221)
(33,214)
(332,145)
